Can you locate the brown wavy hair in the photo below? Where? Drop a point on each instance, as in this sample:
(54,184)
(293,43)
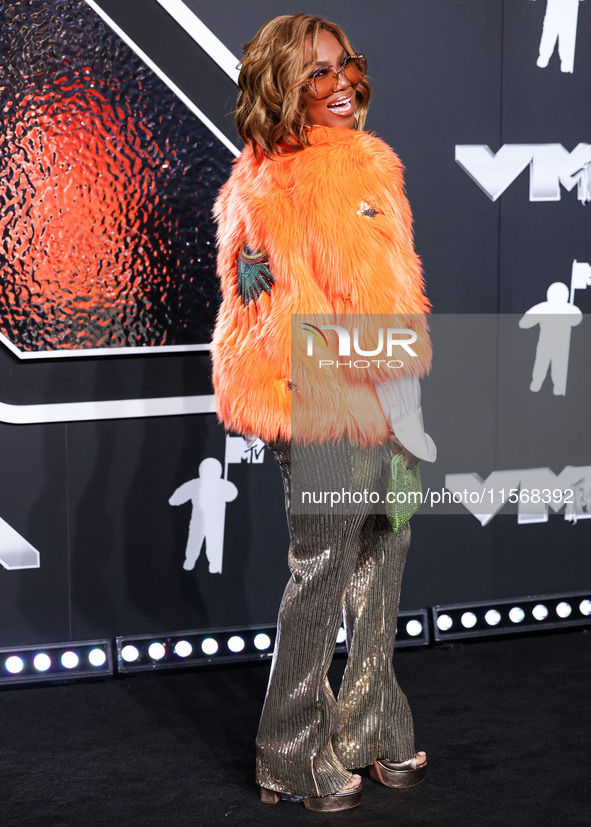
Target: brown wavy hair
(270,111)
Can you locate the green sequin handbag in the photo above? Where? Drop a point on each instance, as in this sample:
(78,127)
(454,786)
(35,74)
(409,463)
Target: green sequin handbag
(404,493)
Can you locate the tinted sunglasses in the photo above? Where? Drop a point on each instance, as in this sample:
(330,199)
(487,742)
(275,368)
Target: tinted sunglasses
(324,80)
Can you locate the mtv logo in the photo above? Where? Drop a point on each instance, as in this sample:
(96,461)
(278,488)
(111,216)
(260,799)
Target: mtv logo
(239,449)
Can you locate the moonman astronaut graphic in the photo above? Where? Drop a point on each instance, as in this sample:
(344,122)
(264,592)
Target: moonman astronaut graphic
(556,318)
(560,24)
(208,493)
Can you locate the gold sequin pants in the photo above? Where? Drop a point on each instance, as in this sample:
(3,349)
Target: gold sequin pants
(342,565)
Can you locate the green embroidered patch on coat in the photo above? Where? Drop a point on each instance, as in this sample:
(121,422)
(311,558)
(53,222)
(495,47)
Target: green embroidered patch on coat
(252,274)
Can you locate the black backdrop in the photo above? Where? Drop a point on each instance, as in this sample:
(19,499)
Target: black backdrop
(88,488)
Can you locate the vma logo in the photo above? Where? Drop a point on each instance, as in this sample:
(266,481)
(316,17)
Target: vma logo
(550,167)
(534,490)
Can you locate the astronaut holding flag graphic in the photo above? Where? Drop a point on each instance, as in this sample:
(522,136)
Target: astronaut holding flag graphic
(556,317)
(208,494)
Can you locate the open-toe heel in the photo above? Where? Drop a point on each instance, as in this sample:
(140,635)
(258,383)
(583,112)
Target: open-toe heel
(341,800)
(269,796)
(398,774)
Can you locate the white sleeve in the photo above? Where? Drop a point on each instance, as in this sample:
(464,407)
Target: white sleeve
(401,403)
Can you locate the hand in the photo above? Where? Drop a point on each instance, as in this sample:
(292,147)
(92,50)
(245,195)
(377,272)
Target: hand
(397,447)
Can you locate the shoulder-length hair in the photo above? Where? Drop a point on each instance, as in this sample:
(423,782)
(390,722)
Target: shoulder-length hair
(270,112)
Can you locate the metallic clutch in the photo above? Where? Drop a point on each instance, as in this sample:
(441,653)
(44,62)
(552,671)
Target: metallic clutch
(404,493)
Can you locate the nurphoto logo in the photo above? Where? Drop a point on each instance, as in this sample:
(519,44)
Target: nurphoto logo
(387,340)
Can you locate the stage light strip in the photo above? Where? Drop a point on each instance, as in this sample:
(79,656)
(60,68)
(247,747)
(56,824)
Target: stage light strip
(412,629)
(174,650)
(203,36)
(70,660)
(456,621)
(171,85)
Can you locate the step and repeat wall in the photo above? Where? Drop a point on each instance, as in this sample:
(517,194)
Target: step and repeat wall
(124,507)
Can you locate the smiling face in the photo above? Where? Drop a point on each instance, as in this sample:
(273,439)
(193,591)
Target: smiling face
(338,109)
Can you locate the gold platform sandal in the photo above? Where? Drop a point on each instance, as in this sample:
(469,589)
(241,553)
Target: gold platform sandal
(399,774)
(344,799)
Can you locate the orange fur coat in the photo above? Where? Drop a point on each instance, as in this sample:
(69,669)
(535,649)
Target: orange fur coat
(322,236)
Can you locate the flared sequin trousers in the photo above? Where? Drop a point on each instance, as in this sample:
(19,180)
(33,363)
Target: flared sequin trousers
(346,564)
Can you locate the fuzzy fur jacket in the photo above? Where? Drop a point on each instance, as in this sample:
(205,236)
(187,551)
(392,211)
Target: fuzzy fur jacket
(319,237)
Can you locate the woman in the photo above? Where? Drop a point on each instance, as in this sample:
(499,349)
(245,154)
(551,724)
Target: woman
(313,226)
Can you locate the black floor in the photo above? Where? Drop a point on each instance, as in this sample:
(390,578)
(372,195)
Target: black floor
(505,725)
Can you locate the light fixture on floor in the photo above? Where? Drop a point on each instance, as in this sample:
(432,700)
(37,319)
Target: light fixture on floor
(139,653)
(173,650)
(412,630)
(55,661)
(508,616)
